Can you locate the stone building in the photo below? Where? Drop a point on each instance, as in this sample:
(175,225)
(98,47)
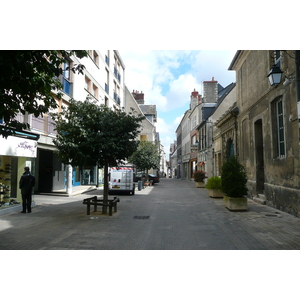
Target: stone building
(268,126)
(179,150)
(214,94)
(133,101)
(224,124)
(136,101)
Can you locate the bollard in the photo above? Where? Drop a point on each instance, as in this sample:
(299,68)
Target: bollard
(140,185)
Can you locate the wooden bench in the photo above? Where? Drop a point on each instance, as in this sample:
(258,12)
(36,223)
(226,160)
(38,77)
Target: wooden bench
(112,203)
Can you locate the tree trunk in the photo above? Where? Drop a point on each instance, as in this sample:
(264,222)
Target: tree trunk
(105,188)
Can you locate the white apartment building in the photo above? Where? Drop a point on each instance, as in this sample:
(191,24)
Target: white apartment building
(102,81)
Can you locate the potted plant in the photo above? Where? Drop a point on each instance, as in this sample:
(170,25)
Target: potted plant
(199,177)
(214,187)
(234,181)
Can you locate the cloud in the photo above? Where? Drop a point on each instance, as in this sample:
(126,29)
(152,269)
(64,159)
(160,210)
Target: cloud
(214,63)
(158,75)
(166,133)
(180,91)
(167,78)
(178,120)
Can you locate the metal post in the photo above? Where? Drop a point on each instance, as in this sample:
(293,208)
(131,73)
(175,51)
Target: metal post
(69,179)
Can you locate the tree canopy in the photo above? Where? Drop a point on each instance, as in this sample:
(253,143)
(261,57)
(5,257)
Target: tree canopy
(93,134)
(27,82)
(146,157)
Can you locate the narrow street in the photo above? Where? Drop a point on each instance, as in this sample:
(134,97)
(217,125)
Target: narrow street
(172,215)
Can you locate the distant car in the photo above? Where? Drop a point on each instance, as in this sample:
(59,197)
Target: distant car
(140,176)
(153,178)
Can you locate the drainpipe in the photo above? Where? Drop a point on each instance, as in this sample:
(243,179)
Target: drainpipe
(297,62)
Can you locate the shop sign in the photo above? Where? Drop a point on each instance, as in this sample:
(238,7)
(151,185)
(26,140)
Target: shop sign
(14,146)
(194,155)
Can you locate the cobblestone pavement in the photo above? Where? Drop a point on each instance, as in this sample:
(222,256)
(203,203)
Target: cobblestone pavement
(172,215)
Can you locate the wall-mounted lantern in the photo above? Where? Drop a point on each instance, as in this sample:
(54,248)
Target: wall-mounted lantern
(275,75)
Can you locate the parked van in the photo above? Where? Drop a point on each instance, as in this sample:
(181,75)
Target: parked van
(121,179)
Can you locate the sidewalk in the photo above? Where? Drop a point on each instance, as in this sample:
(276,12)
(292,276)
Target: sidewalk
(171,215)
(77,190)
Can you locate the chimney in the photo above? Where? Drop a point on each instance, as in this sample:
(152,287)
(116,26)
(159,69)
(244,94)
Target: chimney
(139,97)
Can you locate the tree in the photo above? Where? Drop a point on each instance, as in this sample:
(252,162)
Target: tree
(27,82)
(146,157)
(234,178)
(96,135)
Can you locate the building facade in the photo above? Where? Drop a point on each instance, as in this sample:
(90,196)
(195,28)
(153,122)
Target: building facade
(224,129)
(135,101)
(16,152)
(103,82)
(268,126)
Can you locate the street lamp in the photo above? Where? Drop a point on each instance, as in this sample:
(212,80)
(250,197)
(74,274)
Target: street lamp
(275,75)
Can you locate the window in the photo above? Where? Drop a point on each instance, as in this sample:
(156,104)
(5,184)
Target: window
(95,91)
(91,87)
(107,58)
(66,80)
(96,58)
(107,82)
(202,138)
(87,83)
(117,68)
(278,128)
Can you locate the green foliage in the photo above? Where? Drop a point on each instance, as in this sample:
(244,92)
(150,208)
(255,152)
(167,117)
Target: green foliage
(27,82)
(91,134)
(95,135)
(234,178)
(199,176)
(214,183)
(146,157)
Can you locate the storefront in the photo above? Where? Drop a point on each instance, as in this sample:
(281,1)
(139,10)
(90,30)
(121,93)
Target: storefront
(92,175)
(16,152)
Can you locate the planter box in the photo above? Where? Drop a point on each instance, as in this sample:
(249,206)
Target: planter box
(200,184)
(215,193)
(236,204)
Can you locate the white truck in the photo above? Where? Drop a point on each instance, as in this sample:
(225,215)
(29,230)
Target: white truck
(121,179)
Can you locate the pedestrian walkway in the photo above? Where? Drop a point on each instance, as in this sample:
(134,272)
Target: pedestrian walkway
(171,215)
(77,190)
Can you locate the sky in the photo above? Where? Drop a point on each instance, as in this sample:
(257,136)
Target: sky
(168,77)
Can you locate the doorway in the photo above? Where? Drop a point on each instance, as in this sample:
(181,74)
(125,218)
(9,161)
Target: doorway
(45,171)
(259,156)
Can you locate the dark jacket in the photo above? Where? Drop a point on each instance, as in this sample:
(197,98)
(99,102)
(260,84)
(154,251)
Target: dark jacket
(26,184)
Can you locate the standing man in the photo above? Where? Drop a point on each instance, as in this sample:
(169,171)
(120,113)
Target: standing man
(26,184)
